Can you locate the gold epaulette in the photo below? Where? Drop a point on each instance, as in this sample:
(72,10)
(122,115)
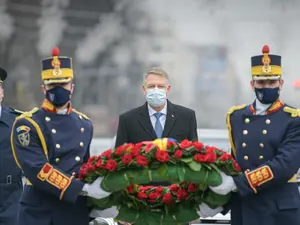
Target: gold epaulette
(81,114)
(28,113)
(235,108)
(294,112)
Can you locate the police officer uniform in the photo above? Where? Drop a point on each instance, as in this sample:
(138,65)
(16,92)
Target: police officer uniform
(267,148)
(10,175)
(50,148)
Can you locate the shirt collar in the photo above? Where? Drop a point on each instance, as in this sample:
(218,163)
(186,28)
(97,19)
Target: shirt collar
(152,111)
(261,108)
(0,110)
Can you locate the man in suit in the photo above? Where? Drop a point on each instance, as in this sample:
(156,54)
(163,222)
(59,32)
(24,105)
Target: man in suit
(158,117)
(10,175)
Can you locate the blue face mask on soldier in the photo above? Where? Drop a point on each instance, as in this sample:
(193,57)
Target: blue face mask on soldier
(156,97)
(267,95)
(58,96)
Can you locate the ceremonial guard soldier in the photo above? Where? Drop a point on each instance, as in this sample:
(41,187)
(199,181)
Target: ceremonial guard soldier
(265,141)
(50,144)
(10,174)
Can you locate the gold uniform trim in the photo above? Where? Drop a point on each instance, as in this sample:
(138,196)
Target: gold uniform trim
(258,71)
(292,111)
(229,128)
(65,73)
(81,114)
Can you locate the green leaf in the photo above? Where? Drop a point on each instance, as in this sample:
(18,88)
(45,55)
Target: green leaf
(186,160)
(206,166)
(195,166)
(162,170)
(215,167)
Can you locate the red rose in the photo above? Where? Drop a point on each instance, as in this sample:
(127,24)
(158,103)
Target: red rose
(111,165)
(174,187)
(144,188)
(127,159)
(162,156)
(159,189)
(178,154)
(148,147)
(198,145)
(170,143)
(154,195)
(142,160)
(83,172)
(167,198)
(107,153)
(99,164)
(120,151)
(224,157)
(142,195)
(211,157)
(181,194)
(135,151)
(192,188)
(211,149)
(92,159)
(139,145)
(236,166)
(200,158)
(91,167)
(130,188)
(185,144)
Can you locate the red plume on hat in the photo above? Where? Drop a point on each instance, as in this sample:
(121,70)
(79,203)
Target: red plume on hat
(266,49)
(55,51)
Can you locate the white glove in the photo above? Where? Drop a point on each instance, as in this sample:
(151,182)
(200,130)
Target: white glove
(206,211)
(111,212)
(227,185)
(94,190)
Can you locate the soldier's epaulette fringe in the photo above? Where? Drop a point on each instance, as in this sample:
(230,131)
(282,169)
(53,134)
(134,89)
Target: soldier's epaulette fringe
(82,114)
(294,112)
(235,108)
(29,113)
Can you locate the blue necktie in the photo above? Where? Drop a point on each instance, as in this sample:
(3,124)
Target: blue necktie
(158,127)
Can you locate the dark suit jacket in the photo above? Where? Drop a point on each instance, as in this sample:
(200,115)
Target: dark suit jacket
(135,125)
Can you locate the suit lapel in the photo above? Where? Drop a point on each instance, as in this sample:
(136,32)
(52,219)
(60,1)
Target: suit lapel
(170,119)
(145,121)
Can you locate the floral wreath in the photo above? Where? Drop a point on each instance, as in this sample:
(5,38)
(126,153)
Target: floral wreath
(190,167)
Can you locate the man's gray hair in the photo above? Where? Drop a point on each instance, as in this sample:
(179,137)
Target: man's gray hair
(156,71)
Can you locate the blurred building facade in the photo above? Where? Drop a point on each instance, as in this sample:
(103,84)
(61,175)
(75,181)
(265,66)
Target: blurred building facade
(204,45)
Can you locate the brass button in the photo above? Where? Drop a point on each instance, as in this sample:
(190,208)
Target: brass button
(82,129)
(244,145)
(245,157)
(57,145)
(47,118)
(261,145)
(53,131)
(268,121)
(57,160)
(247,120)
(261,157)
(80,116)
(264,132)
(77,158)
(81,144)
(73,174)
(245,132)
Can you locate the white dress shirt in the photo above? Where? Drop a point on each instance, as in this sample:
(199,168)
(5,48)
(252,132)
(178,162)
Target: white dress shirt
(0,110)
(162,118)
(261,108)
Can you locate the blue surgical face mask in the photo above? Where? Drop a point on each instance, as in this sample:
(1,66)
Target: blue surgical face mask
(156,97)
(58,96)
(267,95)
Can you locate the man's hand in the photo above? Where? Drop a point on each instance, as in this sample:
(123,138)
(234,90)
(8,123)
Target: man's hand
(206,211)
(94,190)
(227,185)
